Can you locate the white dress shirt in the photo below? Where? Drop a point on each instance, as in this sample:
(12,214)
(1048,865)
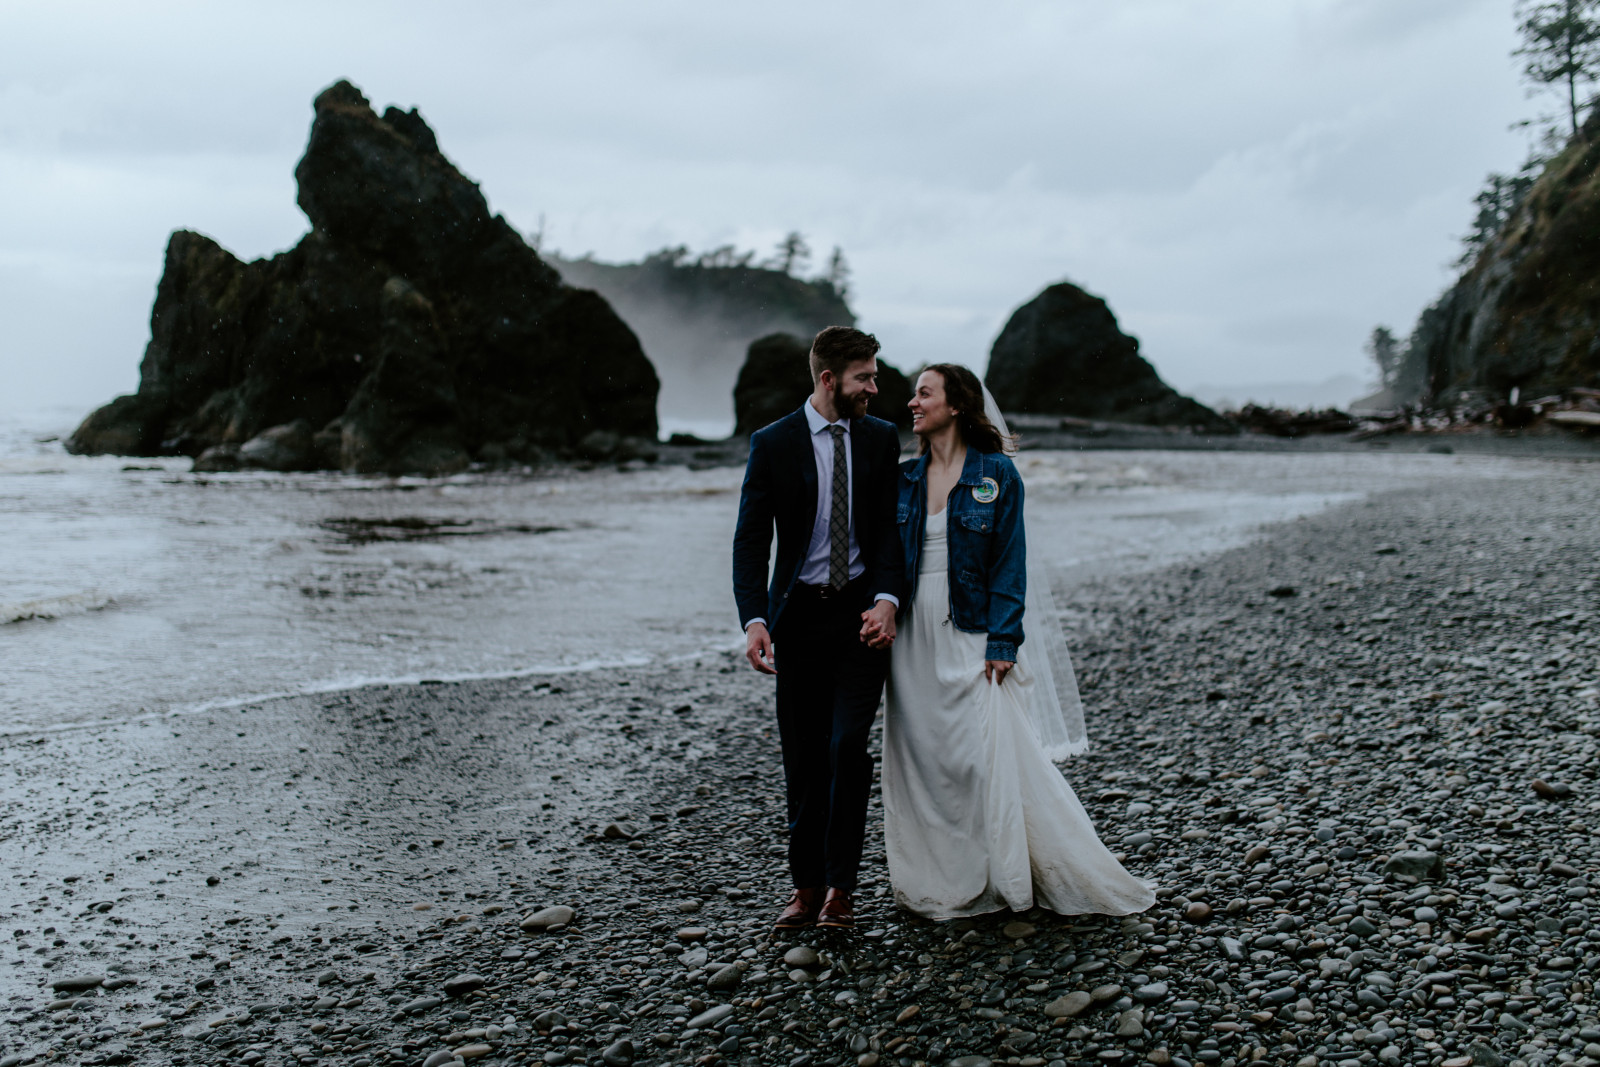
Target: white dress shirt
(815,569)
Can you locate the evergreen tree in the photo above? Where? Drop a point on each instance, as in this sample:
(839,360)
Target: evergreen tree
(1561,42)
(1384,348)
(1496,202)
(792,254)
(838,274)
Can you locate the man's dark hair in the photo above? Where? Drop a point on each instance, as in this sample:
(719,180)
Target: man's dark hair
(836,347)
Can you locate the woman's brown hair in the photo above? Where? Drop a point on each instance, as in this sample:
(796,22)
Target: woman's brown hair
(964,392)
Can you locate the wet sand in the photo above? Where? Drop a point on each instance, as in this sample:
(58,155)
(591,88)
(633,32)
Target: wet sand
(315,868)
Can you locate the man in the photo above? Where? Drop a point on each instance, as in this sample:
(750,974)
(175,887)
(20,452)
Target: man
(825,477)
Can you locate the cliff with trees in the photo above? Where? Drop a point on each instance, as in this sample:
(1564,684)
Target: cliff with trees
(697,315)
(1525,313)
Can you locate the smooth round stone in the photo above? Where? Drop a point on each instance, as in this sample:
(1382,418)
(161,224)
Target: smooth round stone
(1425,915)
(969,1061)
(801,956)
(1074,1003)
(726,978)
(710,1017)
(462,984)
(544,918)
(1016,930)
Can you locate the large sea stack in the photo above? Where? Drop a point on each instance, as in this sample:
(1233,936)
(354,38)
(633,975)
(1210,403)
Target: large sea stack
(1526,313)
(410,330)
(776,379)
(1062,353)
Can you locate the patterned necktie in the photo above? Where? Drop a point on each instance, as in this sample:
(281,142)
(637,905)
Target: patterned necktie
(839,516)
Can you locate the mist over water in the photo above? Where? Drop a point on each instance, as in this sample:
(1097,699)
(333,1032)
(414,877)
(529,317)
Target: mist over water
(132,586)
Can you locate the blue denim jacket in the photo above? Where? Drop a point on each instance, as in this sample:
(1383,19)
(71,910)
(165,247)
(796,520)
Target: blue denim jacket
(988,553)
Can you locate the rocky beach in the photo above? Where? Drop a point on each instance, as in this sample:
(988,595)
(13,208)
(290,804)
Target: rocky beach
(1355,756)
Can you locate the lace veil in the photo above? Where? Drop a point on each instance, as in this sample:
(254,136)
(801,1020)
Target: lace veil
(1056,712)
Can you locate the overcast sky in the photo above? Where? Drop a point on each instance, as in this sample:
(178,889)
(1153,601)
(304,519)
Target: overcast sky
(1252,184)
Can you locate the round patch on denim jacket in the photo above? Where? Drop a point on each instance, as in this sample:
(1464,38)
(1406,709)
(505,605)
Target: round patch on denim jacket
(987,493)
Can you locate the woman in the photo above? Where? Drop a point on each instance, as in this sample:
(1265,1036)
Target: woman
(976,817)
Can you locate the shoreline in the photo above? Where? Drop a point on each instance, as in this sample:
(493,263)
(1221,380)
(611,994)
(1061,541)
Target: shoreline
(1432,659)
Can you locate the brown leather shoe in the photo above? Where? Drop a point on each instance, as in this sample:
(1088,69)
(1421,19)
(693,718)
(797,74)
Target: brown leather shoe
(802,910)
(837,911)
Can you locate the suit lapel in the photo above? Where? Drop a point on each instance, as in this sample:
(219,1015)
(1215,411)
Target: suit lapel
(807,458)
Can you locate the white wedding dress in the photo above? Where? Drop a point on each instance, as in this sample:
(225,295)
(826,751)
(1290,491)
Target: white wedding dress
(976,817)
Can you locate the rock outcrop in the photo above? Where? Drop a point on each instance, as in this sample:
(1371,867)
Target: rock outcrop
(697,317)
(776,379)
(410,330)
(1062,353)
(1526,314)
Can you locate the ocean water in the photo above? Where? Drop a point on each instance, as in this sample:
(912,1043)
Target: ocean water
(132,587)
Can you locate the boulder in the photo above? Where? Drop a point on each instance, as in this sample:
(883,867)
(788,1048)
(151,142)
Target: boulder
(1062,353)
(410,330)
(282,448)
(776,379)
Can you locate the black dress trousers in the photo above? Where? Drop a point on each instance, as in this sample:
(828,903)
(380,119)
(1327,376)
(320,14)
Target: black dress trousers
(829,687)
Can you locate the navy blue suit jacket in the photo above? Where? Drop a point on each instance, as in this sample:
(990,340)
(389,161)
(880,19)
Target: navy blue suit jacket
(780,492)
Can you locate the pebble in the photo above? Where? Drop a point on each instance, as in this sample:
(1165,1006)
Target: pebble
(1130,1023)
(726,978)
(801,956)
(1361,926)
(692,933)
(462,984)
(907,1013)
(1151,993)
(410,1007)
(1417,865)
(710,1017)
(438,1059)
(1016,931)
(1197,912)
(545,918)
(77,983)
(1068,1006)
(474,1051)
(619,1053)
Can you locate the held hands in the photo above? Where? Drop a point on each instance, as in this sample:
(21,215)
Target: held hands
(877,625)
(995,670)
(758,648)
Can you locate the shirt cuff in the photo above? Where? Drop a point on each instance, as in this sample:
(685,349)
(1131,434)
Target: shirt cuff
(890,597)
(1000,650)
(752,622)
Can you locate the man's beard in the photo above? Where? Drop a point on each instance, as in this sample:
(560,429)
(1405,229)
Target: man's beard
(850,406)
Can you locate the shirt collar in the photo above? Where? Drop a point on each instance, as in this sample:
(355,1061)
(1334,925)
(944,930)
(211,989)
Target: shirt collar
(817,423)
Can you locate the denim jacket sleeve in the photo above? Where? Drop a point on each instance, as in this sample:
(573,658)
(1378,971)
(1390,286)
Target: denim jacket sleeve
(1008,571)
